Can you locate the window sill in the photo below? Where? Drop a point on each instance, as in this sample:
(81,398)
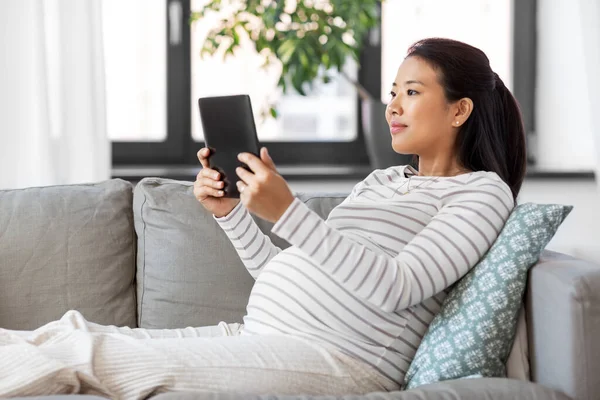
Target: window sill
(308,172)
(289,172)
(533,173)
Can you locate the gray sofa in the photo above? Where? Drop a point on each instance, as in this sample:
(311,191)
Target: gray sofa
(151,256)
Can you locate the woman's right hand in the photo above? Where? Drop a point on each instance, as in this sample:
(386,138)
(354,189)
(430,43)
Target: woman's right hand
(208,188)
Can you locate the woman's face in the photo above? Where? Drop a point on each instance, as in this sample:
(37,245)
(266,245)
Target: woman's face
(418,114)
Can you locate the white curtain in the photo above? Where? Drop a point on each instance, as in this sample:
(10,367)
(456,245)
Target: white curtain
(52,94)
(590,30)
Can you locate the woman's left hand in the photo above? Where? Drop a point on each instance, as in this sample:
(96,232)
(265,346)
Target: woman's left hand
(263,191)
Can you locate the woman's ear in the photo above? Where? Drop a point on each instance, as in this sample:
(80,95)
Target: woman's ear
(464,108)
(462,111)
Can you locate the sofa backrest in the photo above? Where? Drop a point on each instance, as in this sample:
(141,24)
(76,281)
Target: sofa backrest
(149,257)
(188,272)
(74,247)
(67,247)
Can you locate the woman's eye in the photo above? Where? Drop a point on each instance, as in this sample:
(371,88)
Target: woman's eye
(392,95)
(411,92)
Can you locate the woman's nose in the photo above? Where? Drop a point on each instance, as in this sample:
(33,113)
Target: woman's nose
(394,107)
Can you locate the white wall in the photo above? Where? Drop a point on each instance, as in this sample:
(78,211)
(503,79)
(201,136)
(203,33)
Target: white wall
(590,30)
(565,121)
(579,235)
(563,116)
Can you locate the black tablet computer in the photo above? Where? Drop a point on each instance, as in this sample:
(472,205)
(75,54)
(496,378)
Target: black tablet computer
(229,129)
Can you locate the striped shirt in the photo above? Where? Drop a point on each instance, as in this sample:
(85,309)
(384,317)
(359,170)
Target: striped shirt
(369,279)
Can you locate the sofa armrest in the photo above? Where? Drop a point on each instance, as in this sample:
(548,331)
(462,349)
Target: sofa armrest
(563,303)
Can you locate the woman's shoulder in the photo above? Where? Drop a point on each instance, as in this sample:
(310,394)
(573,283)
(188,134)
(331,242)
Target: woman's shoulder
(485,186)
(480,179)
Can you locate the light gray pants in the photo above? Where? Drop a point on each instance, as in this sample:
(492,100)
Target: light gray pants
(72,355)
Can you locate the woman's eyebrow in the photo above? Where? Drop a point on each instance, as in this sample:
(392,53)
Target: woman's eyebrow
(409,82)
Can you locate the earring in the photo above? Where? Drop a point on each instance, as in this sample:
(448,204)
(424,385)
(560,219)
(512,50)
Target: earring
(457,122)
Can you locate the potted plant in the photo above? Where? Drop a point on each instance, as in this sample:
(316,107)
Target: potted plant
(310,39)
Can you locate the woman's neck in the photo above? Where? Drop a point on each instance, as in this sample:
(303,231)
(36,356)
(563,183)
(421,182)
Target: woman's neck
(437,168)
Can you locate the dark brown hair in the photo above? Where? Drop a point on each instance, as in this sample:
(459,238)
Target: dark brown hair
(493,137)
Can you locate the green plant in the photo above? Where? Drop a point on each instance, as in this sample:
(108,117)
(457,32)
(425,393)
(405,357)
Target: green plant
(310,38)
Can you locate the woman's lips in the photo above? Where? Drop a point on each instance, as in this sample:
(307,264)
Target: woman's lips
(397,128)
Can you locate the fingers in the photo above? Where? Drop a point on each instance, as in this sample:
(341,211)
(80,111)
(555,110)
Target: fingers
(255,163)
(208,173)
(266,159)
(202,191)
(212,183)
(245,175)
(241,186)
(208,181)
(262,169)
(203,155)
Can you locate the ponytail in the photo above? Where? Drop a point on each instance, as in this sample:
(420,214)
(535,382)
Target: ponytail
(511,124)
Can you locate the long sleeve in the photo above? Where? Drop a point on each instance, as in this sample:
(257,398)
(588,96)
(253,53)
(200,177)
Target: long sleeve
(254,247)
(454,240)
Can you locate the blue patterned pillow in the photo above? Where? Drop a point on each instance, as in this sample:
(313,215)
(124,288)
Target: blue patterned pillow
(473,333)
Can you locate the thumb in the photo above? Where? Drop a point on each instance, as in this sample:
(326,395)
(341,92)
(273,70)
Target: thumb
(266,158)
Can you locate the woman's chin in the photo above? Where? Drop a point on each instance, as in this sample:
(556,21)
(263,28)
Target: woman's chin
(401,148)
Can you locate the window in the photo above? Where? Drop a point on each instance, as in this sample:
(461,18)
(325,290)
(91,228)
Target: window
(328,114)
(154,121)
(136,65)
(146,79)
(155,74)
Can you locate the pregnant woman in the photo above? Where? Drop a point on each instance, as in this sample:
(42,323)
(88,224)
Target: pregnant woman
(342,310)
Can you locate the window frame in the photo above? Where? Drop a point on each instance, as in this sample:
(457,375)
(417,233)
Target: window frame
(179,149)
(169,151)
(525,67)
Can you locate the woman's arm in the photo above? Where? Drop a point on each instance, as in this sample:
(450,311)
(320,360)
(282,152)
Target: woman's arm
(254,247)
(453,241)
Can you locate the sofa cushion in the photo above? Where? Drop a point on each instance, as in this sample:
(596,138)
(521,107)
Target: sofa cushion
(466,389)
(67,247)
(188,273)
(474,330)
